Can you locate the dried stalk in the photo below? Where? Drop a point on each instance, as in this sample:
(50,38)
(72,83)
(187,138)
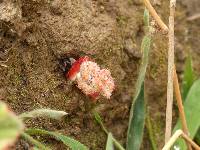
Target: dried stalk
(176,84)
(155,16)
(177,134)
(179,102)
(189,140)
(180,106)
(172,140)
(193,17)
(168,124)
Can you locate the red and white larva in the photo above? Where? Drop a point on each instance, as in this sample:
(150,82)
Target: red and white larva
(92,80)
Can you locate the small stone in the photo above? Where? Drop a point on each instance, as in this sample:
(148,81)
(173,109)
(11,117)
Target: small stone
(102,8)
(131,49)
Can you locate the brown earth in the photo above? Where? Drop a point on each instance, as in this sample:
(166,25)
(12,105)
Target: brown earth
(36,34)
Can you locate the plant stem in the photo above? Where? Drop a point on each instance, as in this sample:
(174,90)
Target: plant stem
(180,106)
(155,16)
(172,140)
(104,128)
(189,140)
(177,134)
(33,141)
(168,125)
(117,144)
(194,17)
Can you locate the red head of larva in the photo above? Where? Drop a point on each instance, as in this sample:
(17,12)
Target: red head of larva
(75,68)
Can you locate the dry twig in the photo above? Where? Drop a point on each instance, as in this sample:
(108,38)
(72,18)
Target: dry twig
(179,102)
(180,106)
(170,72)
(155,16)
(193,17)
(177,134)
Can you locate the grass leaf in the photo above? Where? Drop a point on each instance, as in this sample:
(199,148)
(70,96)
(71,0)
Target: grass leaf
(109,144)
(70,142)
(146,17)
(192,110)
(188,77)
(37,144)
(10,127)
(136,127)
(53,114)
(197,137)
(137,112)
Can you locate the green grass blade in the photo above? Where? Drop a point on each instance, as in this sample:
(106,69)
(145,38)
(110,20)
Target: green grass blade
(192,111)
(49,113)
(188,77)
(146,17)
(145,47)
(109,144)
(136,128)
(10,127)
(70,142)
(137,112)
(100,122)
(37,144)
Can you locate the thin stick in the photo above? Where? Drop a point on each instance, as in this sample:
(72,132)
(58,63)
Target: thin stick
(172,140)
(177,134)
(168,125)
(179,102)
(189,140)
(155,16)
(180,106)
(193,17)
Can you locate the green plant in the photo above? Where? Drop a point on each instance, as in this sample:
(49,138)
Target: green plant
(191,92)
(73,144)
(138,108)
(188,77)
(11,126)
(109,144)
